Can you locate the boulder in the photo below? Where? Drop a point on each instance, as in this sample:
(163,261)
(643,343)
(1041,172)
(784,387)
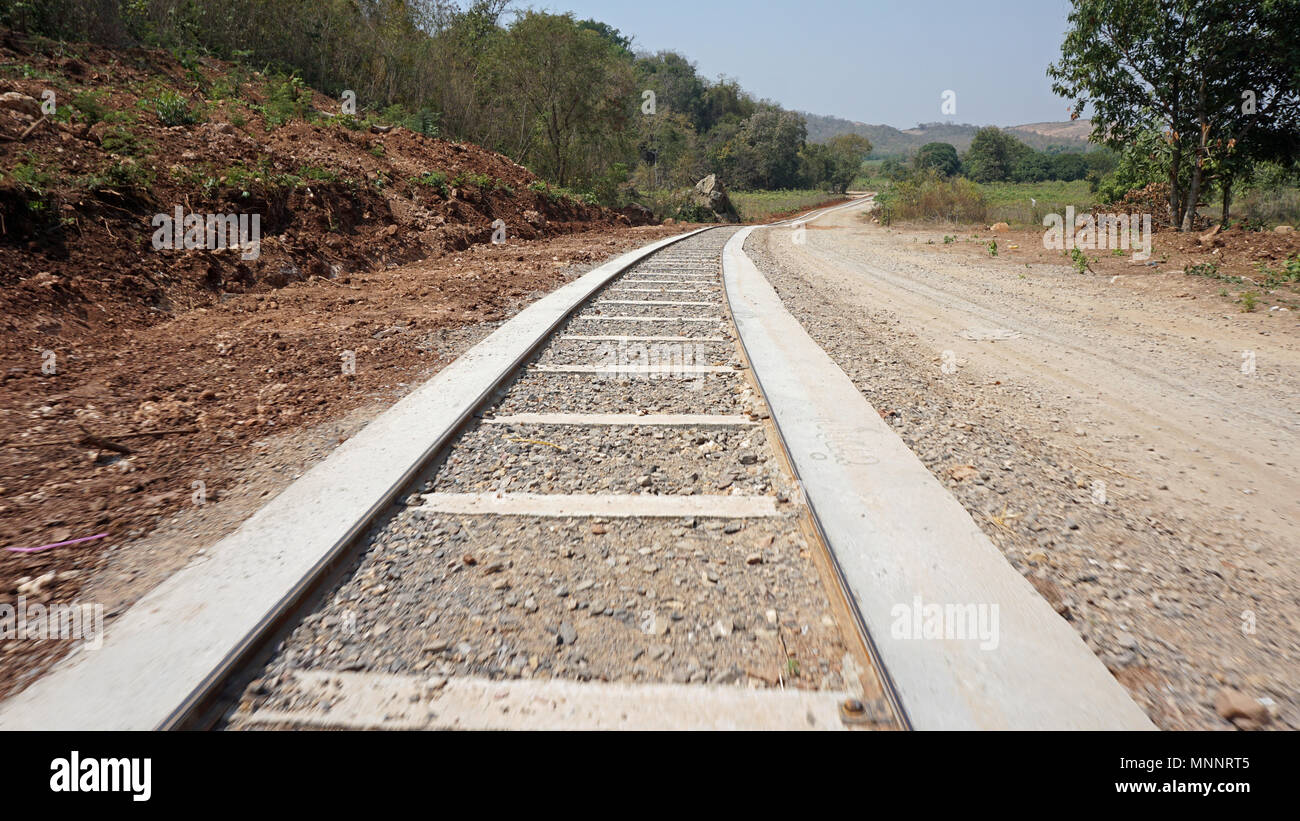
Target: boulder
(710,193)
(637,214)
(21,103)
(1284,229)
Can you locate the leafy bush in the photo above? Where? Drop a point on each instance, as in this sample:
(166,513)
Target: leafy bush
(29,176)
(89,105)
(1079,260)
(349,121)
(424,121)
(434,179)
(693,212)
(128,174)
(287,98)
(928,196)
(1290,272)
(173,109)
(942,157)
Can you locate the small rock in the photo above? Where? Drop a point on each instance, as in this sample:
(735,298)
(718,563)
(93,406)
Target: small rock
(1235,706)
(34,587)
(566,634)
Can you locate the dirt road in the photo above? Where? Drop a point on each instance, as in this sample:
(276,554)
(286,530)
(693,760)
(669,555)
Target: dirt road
(1104,434)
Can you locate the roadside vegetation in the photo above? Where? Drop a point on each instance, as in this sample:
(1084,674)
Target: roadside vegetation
(1026,203)
(758,206)
(567,98)
(999,179)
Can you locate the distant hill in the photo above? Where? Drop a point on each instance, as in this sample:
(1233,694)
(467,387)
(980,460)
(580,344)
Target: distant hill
(888,141)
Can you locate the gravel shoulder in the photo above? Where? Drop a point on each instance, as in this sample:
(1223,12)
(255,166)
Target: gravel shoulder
(1102,434)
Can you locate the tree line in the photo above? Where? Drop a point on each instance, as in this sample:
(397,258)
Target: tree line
(565,97)
(997,156)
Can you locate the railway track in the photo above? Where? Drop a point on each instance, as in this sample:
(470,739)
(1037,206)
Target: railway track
(648,501)
(616,532)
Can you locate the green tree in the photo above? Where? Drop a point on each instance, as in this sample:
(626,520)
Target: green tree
(1032,166)
(942,157)
(771,141)
(1184,67)
(992,155)
(676,85)
(1068,167)
(845,153)
(571,86)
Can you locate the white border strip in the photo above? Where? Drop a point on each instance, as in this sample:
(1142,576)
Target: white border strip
(380,701)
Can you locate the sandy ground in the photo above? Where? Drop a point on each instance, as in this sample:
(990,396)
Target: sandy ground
(1118,454)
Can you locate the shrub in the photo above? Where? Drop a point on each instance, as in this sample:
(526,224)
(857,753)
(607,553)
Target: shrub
(29,176)
(128,174)
(288,97)
(173,109)
(434,179)
(120,140)
(90,106)
(1079,260)
(928,196)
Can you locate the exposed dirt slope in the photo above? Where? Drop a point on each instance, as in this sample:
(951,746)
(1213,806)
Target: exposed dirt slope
(79,191)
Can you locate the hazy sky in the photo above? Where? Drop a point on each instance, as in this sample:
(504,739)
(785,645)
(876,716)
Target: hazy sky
(875,61)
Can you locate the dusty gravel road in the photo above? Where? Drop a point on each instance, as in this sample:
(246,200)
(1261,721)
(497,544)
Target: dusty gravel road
(1117,452)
